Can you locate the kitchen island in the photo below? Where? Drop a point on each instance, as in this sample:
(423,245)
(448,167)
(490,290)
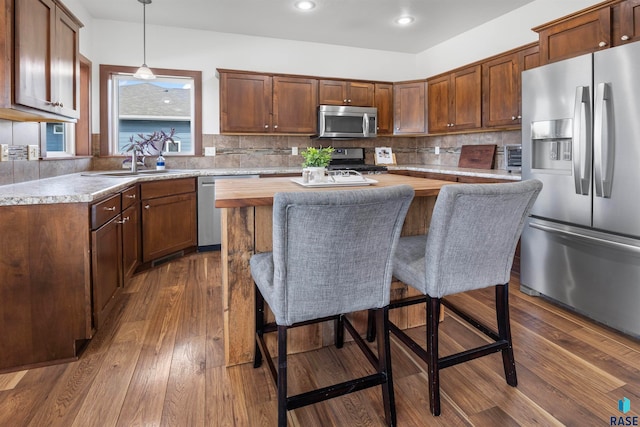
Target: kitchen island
(247,229)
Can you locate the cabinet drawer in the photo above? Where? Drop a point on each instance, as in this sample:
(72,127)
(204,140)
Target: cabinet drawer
(103,211)
(154,189)
(130,196)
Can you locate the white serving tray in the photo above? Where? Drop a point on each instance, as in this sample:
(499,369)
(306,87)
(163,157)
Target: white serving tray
(344,181)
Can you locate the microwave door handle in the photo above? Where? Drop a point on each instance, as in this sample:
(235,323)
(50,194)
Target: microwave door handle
(582,140)
(603,142)
(365,125)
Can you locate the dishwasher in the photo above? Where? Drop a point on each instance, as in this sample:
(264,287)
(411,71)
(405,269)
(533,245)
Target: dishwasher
(209,229)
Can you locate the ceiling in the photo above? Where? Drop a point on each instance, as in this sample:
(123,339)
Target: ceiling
(354,23)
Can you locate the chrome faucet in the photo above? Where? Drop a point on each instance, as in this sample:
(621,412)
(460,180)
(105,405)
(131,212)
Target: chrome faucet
(134,161)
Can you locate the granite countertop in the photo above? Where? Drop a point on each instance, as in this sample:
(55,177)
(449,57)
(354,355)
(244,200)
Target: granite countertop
(90,186)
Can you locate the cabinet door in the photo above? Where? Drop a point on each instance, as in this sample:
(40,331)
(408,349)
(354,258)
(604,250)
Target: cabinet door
(294,105)
(384,104)
(106,268)
(439,99)
(629,22)
(67,66)
(409,108)
(168,225)
(361,94)
(528,58)
(501,92)
(245,102)
(35,23)
(575,36)
(467,98)
(131,248)
(332,92)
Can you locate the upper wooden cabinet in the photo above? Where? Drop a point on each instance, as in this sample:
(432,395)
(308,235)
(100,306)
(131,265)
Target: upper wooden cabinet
(501,86)
(384,104)
(409,107)
(258,103)
(455,100)
(338,92)
(40,51)
(627,16)
(584,32)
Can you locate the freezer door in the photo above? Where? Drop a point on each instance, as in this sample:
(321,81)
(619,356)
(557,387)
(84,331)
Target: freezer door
(616,203)
(594,273)
(556,137)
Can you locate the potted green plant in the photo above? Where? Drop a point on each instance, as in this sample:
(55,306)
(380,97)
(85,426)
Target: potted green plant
(316,161)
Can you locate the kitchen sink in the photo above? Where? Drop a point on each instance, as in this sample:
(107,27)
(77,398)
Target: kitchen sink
(126,173)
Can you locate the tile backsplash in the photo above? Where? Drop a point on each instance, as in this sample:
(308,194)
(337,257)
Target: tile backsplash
(247,151)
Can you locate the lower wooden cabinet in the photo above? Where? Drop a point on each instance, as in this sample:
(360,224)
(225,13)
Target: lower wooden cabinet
(169,213)
(131,238)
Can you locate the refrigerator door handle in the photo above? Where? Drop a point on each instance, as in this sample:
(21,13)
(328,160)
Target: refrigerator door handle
(586,238)
(582,140)
(603,142)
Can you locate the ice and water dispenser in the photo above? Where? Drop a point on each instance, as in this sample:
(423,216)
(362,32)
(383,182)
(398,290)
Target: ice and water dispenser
(551,144)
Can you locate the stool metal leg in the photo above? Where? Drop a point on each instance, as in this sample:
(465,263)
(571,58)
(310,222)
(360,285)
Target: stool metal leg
(433,317)
(504,331)
(282,376)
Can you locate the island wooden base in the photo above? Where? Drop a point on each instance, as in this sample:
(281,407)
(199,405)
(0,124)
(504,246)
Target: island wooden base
(248,229)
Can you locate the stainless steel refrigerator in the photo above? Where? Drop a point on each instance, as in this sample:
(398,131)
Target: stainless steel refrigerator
(581,138)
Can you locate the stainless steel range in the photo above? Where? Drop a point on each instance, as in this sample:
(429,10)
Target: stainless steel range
(353,159)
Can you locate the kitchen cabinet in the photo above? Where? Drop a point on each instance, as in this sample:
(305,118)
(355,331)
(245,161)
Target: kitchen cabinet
(629,22)
(41,67)
(583,32)
(169,213)
(338,92)
(384,103)
(455,100)
(409,107)
(501,86)
(106,257)
(260,103)
(131,238)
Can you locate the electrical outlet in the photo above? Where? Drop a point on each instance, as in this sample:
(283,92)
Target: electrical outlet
(437,150)
(33,152)
(209,151)
(294,151)
(4,152)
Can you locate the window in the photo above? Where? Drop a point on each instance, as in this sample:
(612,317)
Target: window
(130,107)
(60,139)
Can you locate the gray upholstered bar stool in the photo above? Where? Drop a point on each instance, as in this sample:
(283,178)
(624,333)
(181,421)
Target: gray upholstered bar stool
(332,254)
(470,245)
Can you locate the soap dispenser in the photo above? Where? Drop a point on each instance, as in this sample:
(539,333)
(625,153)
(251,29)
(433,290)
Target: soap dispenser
(160,162)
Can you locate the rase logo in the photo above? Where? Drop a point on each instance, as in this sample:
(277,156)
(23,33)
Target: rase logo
(624,406)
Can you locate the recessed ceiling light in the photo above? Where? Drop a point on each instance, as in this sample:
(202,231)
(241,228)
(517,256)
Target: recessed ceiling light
(305,5)
(404,20)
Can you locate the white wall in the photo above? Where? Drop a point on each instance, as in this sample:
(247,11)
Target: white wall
(120,43)
(504,33)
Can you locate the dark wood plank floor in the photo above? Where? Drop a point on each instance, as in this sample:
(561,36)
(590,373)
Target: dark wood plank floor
(159,361)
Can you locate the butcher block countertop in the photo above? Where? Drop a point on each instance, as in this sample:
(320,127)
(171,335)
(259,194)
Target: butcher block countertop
(232,193)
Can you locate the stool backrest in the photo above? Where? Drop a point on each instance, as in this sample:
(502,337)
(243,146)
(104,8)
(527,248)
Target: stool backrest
(333,250)
(473,234)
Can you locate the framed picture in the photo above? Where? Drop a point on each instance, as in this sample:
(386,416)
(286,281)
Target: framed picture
(384,156)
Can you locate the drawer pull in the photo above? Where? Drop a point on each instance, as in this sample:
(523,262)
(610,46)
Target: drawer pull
(131,196)
(112,208)
(125,219)
(147,206)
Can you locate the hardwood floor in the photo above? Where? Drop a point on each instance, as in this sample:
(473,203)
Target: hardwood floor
(159,360)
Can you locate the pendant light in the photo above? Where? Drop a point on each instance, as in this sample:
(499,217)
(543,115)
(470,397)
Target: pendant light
(144,72)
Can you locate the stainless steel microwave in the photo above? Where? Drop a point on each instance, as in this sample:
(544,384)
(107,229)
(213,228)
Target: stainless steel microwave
(335,121)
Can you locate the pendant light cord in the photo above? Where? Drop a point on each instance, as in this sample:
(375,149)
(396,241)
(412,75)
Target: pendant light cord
(144,34)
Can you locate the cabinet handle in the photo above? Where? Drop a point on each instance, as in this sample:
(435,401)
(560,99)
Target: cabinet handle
(125,219)
(275,127)
(624,38)
(266,126)
(131,196)
(147,206)
(344,100)
(519,117)
(602,44)
(113,208)
(349,101)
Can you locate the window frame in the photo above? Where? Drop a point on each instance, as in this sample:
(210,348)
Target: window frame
(106,76)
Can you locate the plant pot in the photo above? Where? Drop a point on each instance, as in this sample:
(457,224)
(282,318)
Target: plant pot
(317,174)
